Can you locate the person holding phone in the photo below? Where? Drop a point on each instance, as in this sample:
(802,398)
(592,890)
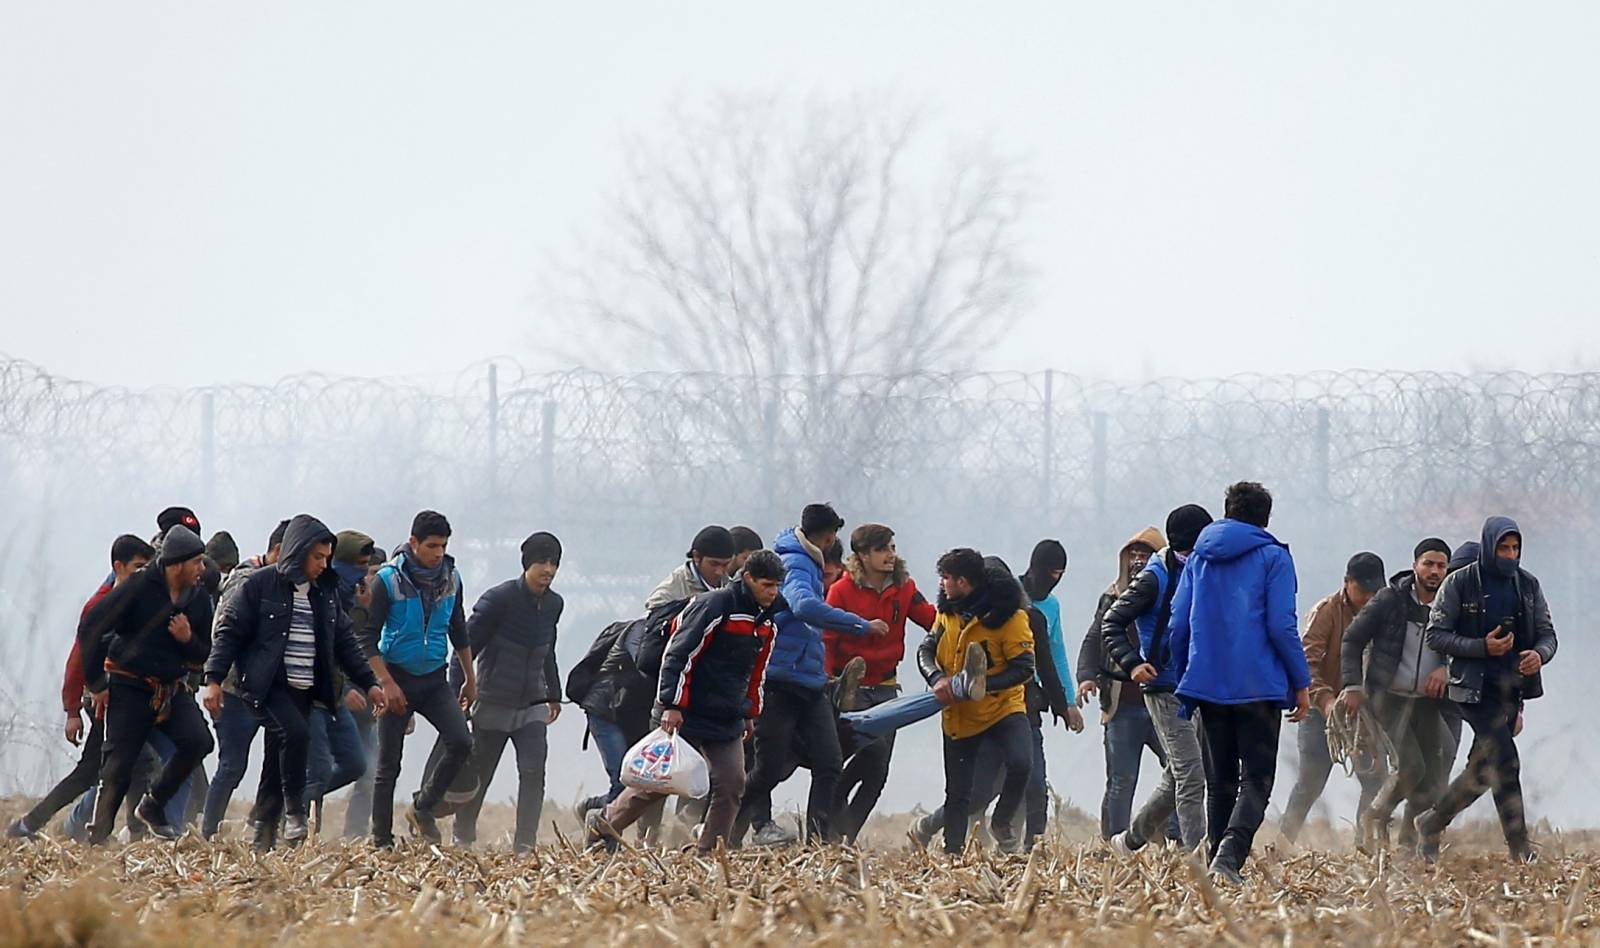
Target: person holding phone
(1492,621)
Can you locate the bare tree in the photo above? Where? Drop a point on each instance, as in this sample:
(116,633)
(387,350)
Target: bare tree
(761,237)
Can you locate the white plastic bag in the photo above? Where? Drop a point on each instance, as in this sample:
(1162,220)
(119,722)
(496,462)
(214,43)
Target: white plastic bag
(666,763)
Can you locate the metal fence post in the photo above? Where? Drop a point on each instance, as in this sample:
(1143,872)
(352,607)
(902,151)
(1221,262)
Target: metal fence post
(493,473)
(208,447)
(1323,447)
(1047,469)
(1097,463)
(547,461)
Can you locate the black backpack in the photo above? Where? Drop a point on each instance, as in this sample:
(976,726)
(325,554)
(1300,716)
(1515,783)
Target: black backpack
(582,676)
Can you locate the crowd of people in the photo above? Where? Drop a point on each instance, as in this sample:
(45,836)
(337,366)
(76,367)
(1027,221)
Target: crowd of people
(772,660)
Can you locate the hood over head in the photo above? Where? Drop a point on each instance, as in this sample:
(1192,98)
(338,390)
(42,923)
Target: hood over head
(178,544)
(304,532)
(1228,540)
(1496,529)
(222,550)
(1465,555)
(1150,537)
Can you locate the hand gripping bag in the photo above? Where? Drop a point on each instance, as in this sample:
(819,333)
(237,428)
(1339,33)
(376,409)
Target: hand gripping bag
(666,763)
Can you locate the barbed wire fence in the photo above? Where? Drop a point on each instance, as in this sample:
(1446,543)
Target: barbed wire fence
(625,468)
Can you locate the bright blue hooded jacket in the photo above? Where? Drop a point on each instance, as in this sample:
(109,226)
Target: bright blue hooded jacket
(1166,670)
(797,653)
(1234,635)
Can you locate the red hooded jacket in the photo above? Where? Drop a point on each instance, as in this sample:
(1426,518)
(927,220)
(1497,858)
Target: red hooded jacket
(895,604)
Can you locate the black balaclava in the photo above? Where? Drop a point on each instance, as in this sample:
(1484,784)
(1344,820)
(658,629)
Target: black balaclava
(1048,557)
(1184,525)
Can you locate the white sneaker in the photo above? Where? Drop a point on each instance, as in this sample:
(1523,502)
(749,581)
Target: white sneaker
(1119,845)
(772,834)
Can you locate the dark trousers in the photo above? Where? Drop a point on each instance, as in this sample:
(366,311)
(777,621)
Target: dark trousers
(1239,747)
(73,785)
(1011,737)
(866,770)
(795,723)
(532,748)
(431,696)
(1420,738)
(1038,796)
(1492,764)
(285,715)
(1316,766)
(130,718)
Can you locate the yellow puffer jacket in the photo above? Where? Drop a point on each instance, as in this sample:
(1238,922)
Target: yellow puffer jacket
(999,622)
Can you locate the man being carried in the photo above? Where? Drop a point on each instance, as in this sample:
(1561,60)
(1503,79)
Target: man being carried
(710,694)
(138,645)
(1493,622)
(1405,681)
(1239,662)
(797,717)
(1364,575)
(513,634)
(416,616)
(1135,637)
(286,633)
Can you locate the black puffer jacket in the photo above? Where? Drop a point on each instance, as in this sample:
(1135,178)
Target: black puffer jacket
(513,637)
(623,689)
(252,627)
(1377,636)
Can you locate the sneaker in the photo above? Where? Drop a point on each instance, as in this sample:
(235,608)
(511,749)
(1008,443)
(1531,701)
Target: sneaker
(844,693)
(1005,839)
(1122,846)
(598,832)
(423,824)
(920,833)
(1429,833)
(316,817)
(383,842)
(589,804)
(772,834)
(150,812)
(294,828)
(19,830)
(973,681)
(1523,853)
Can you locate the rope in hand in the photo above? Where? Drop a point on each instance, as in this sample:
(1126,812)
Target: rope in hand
(1359,744)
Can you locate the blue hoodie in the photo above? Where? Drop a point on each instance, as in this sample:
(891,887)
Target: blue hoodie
(797,653)
(1235,638)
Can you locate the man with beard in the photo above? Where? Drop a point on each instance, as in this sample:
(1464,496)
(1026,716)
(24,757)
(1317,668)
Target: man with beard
(1405,682)
(1493,622)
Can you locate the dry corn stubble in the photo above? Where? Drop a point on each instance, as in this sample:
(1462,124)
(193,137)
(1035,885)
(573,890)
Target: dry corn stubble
(192,892)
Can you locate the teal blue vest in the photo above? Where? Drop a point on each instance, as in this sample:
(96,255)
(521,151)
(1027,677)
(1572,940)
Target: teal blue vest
(416,643)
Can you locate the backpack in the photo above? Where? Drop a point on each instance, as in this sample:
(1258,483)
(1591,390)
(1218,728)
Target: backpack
(582,676)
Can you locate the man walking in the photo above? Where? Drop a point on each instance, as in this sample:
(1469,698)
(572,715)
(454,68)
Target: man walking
(705,567)
(513,636)
(797,714)
(710,693)
(286,634)
(1364,575)
(1405,683)
(1239,662)
(1135,637)
(876,585)
(138,644)
(417,616)
(1493,622)
(129,554)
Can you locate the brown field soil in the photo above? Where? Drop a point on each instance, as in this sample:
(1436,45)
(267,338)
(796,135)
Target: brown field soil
(1072,890)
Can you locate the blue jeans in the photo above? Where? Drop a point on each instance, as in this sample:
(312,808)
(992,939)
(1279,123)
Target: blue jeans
(612,743)
(1127,735)
(337,756)
(884,719)
(78,818)
(236,730)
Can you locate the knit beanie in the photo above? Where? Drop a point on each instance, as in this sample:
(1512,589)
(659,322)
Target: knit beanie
(222,550)
(179,545)
(1184,525)
(349,545)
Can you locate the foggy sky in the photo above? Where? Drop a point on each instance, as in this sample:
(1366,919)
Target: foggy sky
(375,187)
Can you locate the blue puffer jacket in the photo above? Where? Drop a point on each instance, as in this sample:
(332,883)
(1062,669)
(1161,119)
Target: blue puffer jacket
(1234,634)
(797,654)
(1167,674)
